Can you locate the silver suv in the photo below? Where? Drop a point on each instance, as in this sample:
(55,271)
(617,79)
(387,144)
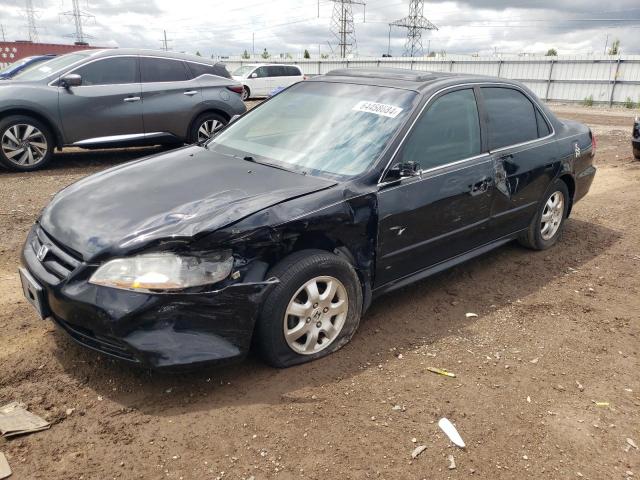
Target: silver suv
(113,98)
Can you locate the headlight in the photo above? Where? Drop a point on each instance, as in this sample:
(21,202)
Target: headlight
(164,271)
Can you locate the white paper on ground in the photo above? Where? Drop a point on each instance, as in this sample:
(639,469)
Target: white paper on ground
(451,432)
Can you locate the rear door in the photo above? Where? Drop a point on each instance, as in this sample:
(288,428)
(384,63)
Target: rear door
(444,212)
(524,155)
(171,96)
(107,104)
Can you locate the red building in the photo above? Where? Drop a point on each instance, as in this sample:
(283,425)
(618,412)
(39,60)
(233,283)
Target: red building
(12,51)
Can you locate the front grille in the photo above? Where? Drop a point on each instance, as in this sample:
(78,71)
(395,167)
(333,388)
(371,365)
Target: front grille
(101,343)
(56,261)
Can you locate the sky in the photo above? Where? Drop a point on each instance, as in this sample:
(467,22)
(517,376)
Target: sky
(224,27)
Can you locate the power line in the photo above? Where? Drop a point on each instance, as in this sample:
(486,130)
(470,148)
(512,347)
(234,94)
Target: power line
(342,26)
(415,22)
(77,15)
(31,21)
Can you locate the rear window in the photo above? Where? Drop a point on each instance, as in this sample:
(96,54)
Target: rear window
(163,70)
(512,117)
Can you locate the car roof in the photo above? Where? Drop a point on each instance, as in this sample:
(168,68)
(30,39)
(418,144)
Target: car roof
(270,65)
(417,80)
(97,53)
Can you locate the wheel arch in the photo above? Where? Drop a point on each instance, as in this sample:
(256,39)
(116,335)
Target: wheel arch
(570,182)
(59,139)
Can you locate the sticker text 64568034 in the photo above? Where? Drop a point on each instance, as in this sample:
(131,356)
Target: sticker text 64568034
(382,109)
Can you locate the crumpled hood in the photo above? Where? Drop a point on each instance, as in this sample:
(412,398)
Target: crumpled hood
(175,195)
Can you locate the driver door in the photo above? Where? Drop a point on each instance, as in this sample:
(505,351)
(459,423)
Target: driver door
(444,211)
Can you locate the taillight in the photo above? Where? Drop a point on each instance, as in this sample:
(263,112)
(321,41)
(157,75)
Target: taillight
(236,89)
(304,77)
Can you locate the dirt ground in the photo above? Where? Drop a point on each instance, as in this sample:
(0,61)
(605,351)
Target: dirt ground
(556,332)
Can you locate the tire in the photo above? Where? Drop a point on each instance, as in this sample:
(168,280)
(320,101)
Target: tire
(535,237)
(636,152)
(331,331)
(26,144)
(204,125)
(246,93)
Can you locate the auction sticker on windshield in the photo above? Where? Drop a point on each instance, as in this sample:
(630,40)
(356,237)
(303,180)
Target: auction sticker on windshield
(390,111)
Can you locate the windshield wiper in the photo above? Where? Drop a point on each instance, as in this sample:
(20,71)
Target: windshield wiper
(249,158)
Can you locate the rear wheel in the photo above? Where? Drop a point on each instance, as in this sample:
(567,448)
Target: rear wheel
(26,144)
(312,312)
(547,225)
(205,126)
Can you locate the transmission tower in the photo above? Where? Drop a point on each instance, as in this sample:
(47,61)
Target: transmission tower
(414,23)
(31,21)
(77,15)
(342,26)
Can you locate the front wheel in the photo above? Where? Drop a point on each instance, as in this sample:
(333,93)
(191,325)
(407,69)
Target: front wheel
(245,93)
(26,144)
(547,225)
(312,312)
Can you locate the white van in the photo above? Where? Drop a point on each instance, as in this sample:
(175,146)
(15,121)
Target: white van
(260,79)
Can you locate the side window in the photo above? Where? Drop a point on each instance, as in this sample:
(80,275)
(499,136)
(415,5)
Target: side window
(543,126)
(261,72)
(293,72)
(447,132)
(161,70)
(512,117)
(275,71)
(198,69)
(110,71)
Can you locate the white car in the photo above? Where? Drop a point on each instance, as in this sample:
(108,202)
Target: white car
(260,79)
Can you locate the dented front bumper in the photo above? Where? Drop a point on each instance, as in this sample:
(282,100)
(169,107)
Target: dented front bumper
(162,331)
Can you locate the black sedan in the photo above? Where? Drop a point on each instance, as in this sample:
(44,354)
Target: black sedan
(285,226)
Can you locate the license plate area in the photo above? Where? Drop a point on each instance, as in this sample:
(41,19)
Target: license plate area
(33,292)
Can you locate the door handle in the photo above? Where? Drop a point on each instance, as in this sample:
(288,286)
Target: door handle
(132,99)
(191,92)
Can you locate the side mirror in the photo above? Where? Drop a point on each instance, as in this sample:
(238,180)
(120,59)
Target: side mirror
(253,75)
(402,170)
(71,80)
(233,119)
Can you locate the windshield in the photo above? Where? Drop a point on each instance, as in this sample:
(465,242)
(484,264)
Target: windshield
(325,129)
(43,70)
(242,71)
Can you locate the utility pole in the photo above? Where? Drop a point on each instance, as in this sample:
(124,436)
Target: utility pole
(415,22)
(31,21)
(77,15)
(342,26)
(253,45)
(606,44)
(4,38)
(165,41)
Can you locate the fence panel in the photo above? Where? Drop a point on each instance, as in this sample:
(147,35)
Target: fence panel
(604,78)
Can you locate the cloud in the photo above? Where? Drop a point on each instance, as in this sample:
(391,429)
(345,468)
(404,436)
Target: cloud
(225,27)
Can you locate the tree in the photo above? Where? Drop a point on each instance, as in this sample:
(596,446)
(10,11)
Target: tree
(552,52)
(265,54)
(287,55)
(198,54)
(306,53)
(245,55)
(615,47)
(324,56)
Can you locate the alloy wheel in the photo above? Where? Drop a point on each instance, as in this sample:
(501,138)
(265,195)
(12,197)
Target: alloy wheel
(245,94)
(315,315)
(208,129)
(24,144)
(552,215)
